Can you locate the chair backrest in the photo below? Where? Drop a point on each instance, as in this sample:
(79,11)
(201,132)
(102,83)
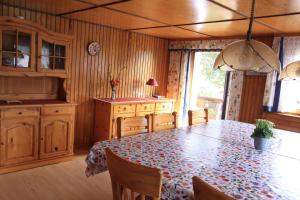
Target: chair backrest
(204,191)
(164,121)
(198,116)
(130,180)
(132,125)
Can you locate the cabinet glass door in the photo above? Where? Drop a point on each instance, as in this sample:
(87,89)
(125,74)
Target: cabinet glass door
(53,56)
(47,55)
(9,44)
(16,49)
(60,56)
(24,41)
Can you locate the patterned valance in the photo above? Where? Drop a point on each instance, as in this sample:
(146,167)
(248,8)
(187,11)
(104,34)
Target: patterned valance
(200,44)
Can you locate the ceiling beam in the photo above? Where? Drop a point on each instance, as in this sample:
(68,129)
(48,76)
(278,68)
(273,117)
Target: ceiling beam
(92,7)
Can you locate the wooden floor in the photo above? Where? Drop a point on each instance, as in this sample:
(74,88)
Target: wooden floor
(63,181)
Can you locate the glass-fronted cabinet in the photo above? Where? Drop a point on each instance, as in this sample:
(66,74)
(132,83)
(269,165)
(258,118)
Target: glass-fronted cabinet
(17,49)
(52,55)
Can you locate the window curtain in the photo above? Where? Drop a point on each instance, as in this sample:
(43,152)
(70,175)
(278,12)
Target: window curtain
(272,88)
(290,95)
(180,66)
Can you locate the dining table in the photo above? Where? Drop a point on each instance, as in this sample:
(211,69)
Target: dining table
(220,152)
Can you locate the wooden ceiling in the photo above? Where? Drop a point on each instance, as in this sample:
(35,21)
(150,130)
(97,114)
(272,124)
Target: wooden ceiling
(178,19)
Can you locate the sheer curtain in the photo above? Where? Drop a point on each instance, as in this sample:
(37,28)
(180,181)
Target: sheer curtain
(290,89)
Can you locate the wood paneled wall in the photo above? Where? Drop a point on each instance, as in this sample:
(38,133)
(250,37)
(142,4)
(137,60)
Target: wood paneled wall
(144,56)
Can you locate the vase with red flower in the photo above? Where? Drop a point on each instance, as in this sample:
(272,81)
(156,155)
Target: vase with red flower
(114,84)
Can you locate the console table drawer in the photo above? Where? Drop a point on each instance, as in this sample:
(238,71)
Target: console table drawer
(146,107)
(128,108)
(163,107)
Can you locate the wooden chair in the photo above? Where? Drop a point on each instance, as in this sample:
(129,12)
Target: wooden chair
(164,121)
(132,125)
(198,116)
(130,180)
(204,191)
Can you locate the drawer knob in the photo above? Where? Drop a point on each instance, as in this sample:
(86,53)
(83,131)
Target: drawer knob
(124,108)
(145,107)
(56,148)
(57,111)
(20,113)
(2,143)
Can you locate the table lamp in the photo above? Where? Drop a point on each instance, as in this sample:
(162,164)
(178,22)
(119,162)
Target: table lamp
(153,82)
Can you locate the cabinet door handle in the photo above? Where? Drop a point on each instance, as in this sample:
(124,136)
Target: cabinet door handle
(11,140)
(56,148)
(2,143)
(20,113)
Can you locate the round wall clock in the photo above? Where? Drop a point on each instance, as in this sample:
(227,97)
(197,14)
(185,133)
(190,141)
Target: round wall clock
(93,48)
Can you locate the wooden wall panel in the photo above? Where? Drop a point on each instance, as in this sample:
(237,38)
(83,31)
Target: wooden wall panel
(21,88)
(143,55)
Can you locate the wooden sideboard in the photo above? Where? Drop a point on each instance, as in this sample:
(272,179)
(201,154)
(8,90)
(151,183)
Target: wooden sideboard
(285,121)
(35,134)
(34,66)
(107,111)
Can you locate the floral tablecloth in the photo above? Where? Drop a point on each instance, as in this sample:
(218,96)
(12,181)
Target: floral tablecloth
(220,152)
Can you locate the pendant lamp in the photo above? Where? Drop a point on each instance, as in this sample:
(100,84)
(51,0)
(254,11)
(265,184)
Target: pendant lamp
(248,55)
(291,71)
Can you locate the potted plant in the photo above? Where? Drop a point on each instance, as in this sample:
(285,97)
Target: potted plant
(262,133)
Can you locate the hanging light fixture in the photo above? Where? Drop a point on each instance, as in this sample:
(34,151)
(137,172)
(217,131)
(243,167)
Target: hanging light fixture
(291,71)
(247,55)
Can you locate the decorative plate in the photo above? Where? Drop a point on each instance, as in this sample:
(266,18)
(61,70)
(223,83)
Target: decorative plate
(93,48)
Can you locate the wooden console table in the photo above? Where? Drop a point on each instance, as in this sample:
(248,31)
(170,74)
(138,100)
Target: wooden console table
(107,111)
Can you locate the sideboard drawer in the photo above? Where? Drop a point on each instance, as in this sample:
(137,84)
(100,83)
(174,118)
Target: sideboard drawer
(56,110)
(163,107)
(145,107)
(128,108)
(20,112)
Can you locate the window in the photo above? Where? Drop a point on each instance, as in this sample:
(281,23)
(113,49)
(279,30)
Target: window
(290,89)
(290,96)
(207,84)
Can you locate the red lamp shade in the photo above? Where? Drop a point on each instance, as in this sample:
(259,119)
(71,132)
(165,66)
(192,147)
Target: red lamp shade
(152,82)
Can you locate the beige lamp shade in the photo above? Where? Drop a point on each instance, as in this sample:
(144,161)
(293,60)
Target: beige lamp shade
(247,55)
(291,71)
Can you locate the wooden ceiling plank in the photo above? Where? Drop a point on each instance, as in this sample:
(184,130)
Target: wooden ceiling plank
(262,7)
(146,18)
(288,24)
(177,11)
(92,7)
(231,28)
(228,8)
(172,33)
